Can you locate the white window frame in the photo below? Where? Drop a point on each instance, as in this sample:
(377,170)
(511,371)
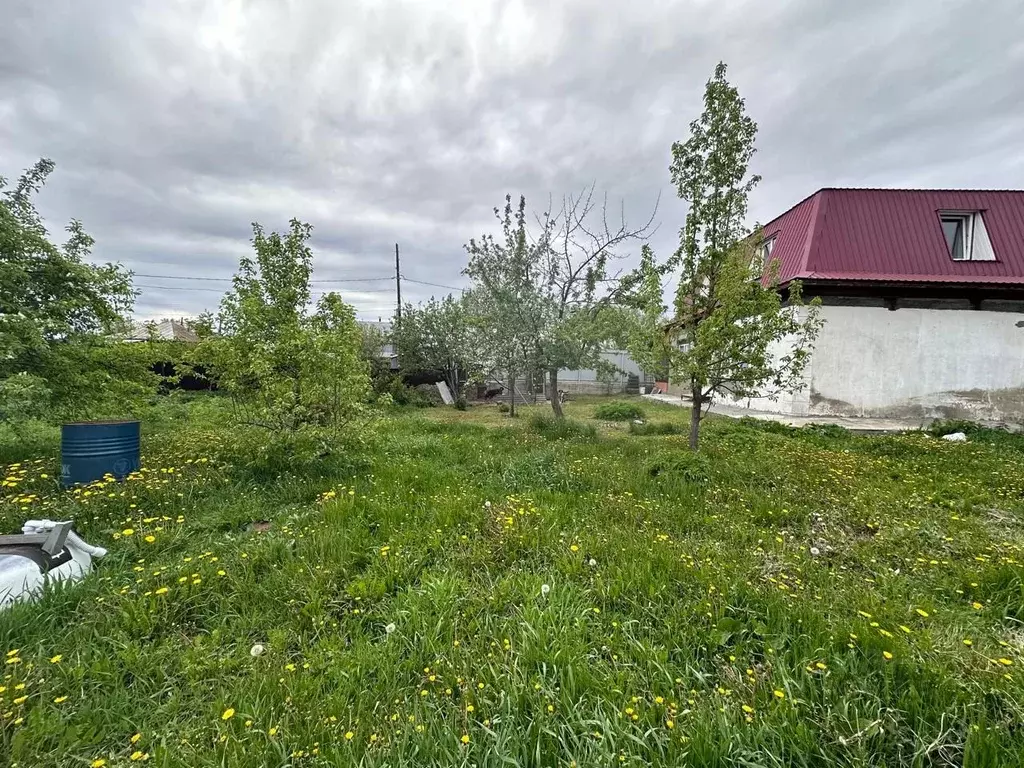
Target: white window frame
(764,250)
(967,218)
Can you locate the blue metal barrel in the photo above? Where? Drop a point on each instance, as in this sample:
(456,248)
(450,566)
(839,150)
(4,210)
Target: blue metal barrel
(91,449)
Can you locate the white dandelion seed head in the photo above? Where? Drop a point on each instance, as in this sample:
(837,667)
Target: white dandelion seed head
(544,589)
(815,551)
(592,562)
(487,504)
(390,628)
(257,650)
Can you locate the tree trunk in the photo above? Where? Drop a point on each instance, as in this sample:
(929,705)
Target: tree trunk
(512,393)
(556,403)
(695,419)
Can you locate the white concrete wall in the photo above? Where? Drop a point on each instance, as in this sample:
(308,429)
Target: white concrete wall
(913,363)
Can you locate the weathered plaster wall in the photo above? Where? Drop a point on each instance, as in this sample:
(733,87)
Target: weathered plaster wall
(914,363)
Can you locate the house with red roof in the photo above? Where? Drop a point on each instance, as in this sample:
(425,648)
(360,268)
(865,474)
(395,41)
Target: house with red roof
(923,301)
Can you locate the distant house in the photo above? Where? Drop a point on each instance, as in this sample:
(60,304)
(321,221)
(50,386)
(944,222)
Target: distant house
(164,330)
(923,302)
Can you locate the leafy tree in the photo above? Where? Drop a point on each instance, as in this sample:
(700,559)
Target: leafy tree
(59,313)
(736,332)
(438,336)
(579,291)
(504,304)
(549,299)
(296,373)
(202,325)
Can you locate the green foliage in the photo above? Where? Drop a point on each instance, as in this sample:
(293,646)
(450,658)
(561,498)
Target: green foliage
(58,314)
(300,377)
(439,337)
(562,429)
(504,305)
(732,331)
(503,407)
(655,428)
(23,397)
(687,466)
(546,301)
(619,411)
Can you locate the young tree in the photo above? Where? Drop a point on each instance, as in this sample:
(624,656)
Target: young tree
(505,306)
(439,336)
(289,370)
(58,313)
(736,333)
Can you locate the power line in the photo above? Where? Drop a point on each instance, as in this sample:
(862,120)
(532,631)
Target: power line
(229,279)
(436,285)
(217,290)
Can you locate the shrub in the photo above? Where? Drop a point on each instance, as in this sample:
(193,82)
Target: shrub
(687,466)
(562,429)
(826,430)
(619,411)
(503,408)
(460,403)
(655,428)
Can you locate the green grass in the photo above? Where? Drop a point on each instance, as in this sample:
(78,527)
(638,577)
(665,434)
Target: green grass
(687,621)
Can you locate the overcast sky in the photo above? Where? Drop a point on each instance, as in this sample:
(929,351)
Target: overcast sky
(176,124)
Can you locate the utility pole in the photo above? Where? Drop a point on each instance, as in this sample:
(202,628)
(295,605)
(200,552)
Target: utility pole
(398,285)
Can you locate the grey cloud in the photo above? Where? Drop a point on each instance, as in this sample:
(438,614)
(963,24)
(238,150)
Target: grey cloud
(175,125)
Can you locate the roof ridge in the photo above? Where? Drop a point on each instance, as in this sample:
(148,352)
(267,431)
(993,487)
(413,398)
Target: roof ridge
(921,189)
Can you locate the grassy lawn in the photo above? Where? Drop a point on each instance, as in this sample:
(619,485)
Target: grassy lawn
(462,590)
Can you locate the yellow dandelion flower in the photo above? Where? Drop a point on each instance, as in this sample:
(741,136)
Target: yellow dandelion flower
(161,591)
(349,735)
(465,738)
(150,539)
(922,613)
(99,762)
(21,700)
(887,655)
(56,659)
(272,731)
(670,724)
(778,694)
(128,532)
(228,714)
(60,699)
(968,641)
(135,739)
(1006,662)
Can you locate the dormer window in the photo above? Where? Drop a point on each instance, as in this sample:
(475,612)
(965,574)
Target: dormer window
(764,250)
(965,235)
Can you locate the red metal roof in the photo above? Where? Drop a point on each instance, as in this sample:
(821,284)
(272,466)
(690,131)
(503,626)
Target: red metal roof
(894,235)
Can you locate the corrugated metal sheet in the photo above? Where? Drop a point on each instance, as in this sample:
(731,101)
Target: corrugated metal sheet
(894,235)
